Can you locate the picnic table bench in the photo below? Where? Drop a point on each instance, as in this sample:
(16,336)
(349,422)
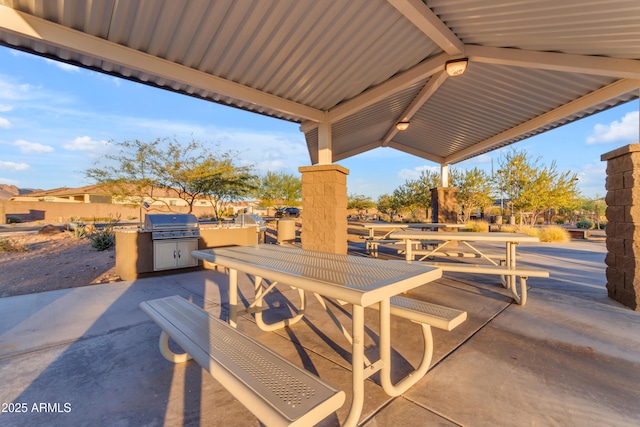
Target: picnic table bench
(505,267)
(275,390)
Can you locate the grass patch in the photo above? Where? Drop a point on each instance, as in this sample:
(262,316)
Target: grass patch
(477,226)
(554,233)
(550,233)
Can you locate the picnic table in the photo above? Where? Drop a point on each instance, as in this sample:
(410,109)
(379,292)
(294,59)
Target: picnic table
(395,226)
(361,282)
(505,266)
(372,243)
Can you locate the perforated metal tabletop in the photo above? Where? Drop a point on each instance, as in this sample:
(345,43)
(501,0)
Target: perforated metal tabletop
(357,280)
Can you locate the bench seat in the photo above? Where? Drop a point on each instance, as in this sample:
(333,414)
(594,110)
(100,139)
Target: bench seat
(435,315)
(500,270)
(372,245)
(275,390)
(423,312)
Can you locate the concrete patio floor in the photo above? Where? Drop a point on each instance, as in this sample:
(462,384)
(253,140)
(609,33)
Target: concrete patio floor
(570,357)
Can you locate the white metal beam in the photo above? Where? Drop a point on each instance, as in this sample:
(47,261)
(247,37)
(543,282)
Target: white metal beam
(593,65)
(402,81)
(358,150)
(29,26)
(618,88)
(417,152)
(428,22)
(427,91)
(444,175)
(325,143)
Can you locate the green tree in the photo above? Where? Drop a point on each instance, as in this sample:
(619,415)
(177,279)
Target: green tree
(531,187)
(415,194)
(359,202)
(138,170)
(386,204)
(474,192)
(278,190)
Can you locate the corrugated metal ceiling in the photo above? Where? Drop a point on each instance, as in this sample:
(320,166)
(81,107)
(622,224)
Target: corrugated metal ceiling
(304,60)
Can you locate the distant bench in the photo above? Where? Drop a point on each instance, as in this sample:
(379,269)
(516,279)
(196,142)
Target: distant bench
(501,270)
(275,390)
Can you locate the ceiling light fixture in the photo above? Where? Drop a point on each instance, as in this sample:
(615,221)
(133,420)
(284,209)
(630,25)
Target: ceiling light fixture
(402,125)
(455,67)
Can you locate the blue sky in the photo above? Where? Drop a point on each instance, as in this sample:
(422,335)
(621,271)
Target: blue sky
(57,120)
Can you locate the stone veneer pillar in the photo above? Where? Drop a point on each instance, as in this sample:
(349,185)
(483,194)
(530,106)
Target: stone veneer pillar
(444,206)
(623,226)
(324,208)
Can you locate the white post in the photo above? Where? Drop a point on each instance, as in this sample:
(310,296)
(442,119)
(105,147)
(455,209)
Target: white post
(325,149)
(444,175)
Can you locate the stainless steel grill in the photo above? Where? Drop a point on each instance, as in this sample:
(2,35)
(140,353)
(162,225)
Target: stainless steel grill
(172,226)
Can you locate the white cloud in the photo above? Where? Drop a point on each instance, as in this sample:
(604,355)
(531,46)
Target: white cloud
(623,130)
(15,92)
(32,147)
(64,66)
(591,179)
(8,181)
(410,174)
(85,143)
(4,123)
(4,108)
(13,167)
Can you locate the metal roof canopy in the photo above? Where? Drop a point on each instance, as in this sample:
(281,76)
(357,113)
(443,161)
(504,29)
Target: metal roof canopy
(349,70)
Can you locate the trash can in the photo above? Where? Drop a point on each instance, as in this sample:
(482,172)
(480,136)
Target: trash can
(286,230)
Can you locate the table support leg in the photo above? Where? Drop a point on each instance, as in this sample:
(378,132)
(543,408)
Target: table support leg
(512,282)
(385,354)
(260,294)
(168,354)
(233,297)
(357,365)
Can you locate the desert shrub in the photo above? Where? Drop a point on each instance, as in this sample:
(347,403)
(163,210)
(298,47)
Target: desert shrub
(528,229)
(554,233)
(585,223)
(559,221)
(477,226)
(77,232)
(103,240)
(8,245)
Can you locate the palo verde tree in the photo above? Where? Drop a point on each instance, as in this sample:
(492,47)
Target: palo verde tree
(416,194)
(359,202)
(474,190)
(139,171)
(278,190)
(531,187)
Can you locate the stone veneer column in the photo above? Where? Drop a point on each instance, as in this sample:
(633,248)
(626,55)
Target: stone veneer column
(444,206)
(623,227)
(324,208)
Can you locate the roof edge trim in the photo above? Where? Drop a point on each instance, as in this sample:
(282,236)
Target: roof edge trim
(32,27)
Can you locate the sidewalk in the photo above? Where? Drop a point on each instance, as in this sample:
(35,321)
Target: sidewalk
(570,357)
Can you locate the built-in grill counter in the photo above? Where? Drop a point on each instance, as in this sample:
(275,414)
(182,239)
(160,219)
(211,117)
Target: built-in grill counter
(165,242)
(174,237)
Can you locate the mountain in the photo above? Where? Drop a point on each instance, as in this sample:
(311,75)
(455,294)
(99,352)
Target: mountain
(8,191)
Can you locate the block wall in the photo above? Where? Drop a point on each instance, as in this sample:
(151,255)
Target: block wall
(623,227)
(324,208)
